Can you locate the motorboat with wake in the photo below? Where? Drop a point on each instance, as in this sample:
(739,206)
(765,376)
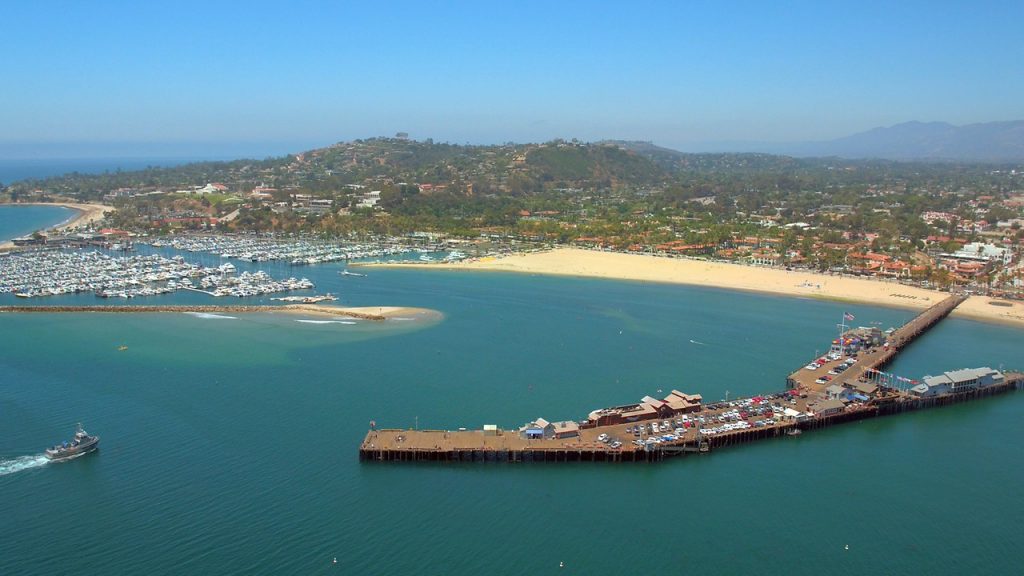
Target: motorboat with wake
(82,443)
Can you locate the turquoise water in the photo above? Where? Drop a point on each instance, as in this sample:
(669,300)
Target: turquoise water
(230,445)
(18,221)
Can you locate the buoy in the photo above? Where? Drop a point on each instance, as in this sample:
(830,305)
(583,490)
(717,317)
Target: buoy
(335,560)
(847,546)
(561,564)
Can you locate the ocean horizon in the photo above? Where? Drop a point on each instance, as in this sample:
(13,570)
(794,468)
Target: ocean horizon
(15,170)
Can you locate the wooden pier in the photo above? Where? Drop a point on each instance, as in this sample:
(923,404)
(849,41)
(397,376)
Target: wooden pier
(879,356)
(394,445)
(495,445)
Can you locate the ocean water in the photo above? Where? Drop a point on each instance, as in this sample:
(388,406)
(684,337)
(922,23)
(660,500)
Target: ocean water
(230,444)
(18,221)
(13,170)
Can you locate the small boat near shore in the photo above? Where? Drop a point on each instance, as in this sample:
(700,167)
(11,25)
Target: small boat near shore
(347,273)
(81,444)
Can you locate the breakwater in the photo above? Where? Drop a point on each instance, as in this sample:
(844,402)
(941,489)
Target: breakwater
(295,308)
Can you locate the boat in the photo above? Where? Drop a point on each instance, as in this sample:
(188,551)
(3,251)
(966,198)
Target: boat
(794,432)
(347,273)
(82,443)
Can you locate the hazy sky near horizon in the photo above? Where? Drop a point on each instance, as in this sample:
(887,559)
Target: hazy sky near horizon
(303,74)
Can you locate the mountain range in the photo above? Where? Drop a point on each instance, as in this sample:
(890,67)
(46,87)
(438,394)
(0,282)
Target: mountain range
(937,141)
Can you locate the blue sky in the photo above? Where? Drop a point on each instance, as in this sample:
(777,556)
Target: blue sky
(293,75)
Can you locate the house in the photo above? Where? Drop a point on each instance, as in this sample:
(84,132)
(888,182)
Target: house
(538,429)
(566,429)
(827,407)
(864,388)
(681,403)
(209,189)
(835,391)
(369,200)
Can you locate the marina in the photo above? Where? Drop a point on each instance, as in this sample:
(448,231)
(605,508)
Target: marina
(655,429)
(297,252)
(40,273)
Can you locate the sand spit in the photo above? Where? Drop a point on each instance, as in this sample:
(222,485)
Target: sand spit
(364,312)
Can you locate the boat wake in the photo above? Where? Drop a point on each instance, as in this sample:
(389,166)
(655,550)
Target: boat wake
(327,321)
(22,463)
(207,315)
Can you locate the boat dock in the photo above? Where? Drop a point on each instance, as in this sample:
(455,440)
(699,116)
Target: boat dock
(666,430)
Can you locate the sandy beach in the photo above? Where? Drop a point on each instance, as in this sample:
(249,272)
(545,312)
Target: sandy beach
(85,214)
(646,268)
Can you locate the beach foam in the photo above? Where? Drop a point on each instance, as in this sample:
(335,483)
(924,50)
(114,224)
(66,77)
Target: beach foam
(210,316)
(327,321)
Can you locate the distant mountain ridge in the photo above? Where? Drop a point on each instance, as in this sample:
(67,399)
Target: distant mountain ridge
(938,141)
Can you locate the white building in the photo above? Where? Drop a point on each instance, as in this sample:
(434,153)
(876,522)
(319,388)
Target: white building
(958,381)
(988,252)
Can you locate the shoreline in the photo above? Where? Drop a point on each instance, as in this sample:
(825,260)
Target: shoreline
(84,214)
(575,262)
(87,213)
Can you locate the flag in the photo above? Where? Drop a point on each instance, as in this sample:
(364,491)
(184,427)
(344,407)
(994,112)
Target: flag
(847,316)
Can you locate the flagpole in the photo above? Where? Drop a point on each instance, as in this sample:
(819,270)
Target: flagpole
(842,330)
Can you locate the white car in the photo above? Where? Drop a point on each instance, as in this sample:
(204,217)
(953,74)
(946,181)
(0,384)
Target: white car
(602,438)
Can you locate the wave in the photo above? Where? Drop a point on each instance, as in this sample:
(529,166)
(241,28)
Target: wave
(22,463)
(212,316)
(327,321)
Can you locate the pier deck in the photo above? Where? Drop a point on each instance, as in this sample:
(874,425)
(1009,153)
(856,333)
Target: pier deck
(509,446)
(442,441)
(878,356)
